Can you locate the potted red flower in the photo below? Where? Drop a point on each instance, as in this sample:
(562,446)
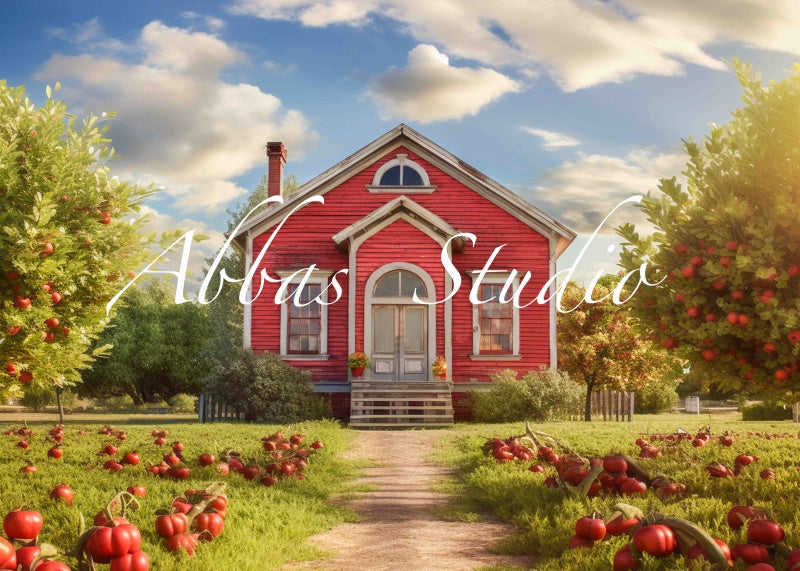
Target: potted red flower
(357,362)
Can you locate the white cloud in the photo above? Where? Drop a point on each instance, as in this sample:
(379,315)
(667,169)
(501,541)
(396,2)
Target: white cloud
(583,192)
(212,23)
(578,43)
(89,34)
(180,125)
(430,89)
(551,140)
(309,13)
(159,222)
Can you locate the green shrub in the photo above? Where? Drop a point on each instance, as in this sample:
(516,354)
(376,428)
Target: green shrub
(766,411)
(659,396)
(539,395)
(38,397)
(264,387)
(183,403)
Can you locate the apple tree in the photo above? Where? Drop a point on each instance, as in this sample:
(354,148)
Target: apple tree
(69,239)
(726,246)
(600,346)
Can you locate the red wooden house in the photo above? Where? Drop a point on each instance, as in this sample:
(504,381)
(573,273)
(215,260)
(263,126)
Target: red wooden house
(389,211)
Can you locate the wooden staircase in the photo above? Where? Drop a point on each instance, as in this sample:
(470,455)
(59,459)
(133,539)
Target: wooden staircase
(400,404)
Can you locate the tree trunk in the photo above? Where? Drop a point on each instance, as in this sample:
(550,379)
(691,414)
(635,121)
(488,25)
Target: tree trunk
(59,390)
(587,413)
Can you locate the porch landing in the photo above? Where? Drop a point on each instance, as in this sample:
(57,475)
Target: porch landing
(400,404)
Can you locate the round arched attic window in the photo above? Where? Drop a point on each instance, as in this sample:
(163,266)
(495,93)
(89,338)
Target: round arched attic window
(401,172)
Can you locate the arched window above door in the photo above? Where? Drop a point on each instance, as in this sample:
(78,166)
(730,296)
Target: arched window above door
(400,283)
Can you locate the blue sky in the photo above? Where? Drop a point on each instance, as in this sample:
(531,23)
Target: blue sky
(572,104)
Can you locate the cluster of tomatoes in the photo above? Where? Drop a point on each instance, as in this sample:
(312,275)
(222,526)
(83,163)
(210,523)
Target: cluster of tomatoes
(20,550)
(172,463)
(508,449)
(619,475)
(286,458)
(197,516)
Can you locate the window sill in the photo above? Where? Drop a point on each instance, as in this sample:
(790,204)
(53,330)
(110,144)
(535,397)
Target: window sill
(416,189)
(495,357)
(305,357)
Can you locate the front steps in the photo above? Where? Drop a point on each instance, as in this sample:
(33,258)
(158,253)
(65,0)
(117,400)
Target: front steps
(400,404)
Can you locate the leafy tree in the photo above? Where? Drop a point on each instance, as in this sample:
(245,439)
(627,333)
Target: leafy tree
(726,245)
(226,311)
(158,348)
(599,346)
(68,239)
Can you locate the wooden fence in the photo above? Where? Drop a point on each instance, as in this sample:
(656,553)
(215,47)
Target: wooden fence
(211,408)
(612,405)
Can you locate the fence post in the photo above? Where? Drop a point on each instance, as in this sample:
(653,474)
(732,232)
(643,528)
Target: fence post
(200,411)
(630,408)
(795,412)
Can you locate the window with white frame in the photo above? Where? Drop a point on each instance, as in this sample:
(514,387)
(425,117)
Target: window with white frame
(304,320)
(495,323)
(401,173)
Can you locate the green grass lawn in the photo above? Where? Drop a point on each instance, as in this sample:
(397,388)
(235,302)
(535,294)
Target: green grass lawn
(545,517)
(264,528)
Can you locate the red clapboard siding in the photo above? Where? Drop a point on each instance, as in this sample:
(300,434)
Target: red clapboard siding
(399,242)
(305,239)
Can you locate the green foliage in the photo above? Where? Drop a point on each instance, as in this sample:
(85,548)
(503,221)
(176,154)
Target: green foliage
(539,395)
(158,348)
(658,396)
(766,411)
(265,528)
(70,234)
(183,403)
(599,345)
(726,245)
(264,387)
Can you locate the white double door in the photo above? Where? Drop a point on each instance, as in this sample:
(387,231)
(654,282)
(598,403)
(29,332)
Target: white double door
(399,342)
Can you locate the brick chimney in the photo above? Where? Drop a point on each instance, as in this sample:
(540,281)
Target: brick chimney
(276,154)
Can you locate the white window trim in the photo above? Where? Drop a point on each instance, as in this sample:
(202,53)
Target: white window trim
(402,160)
(370,299)
(319,277)
(495,278)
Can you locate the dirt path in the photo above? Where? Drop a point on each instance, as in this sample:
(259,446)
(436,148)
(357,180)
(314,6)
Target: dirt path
(398,530)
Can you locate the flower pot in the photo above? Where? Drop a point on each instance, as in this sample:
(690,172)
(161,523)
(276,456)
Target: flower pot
(357,371)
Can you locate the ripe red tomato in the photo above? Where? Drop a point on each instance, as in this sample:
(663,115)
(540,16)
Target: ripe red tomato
(619,525)
(131,458)
(21,524)
(52,565)
(697,551)
(213,522)
(62,492)
(138,491)
(591,528)
(137,561)
(764,531)
(750,553)
(26,555)
(658,540)
(615,464)
(219,503)
(179,473)
(536,468)
(8,557)
(113,541)
(738,514)
(624,560)
(171,524)
(793,562)
(206,460)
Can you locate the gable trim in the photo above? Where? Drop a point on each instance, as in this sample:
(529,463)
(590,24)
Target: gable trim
(402,135)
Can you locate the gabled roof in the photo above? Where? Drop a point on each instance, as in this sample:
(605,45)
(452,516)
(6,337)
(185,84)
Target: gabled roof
(400,205)
(403,135)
